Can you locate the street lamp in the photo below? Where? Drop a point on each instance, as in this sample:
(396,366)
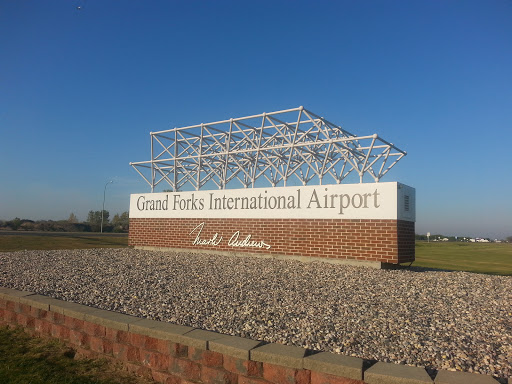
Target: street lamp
(104,191)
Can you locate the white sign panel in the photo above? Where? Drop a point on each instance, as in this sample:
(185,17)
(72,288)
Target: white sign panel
(340,201)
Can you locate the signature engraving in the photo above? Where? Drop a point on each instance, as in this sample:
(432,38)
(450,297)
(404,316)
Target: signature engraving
(214,240)
(234,241)
(247,242)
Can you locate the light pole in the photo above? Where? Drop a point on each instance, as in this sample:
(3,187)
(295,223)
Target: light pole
(104,192)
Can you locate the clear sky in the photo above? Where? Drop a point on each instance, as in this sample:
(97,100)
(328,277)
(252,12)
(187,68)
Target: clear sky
(80,90)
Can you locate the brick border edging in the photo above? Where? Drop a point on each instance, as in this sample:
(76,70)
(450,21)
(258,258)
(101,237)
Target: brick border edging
(177,354)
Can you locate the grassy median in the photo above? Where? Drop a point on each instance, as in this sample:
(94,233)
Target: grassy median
(490,258)
(9,243)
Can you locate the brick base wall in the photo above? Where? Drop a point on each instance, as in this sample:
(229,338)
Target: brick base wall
(177,354)
(386,241)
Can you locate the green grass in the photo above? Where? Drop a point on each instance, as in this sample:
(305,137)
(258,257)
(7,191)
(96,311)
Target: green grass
(9,243)
(489,258)
(26,359)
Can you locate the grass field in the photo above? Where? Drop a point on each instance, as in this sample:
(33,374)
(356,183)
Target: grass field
(10,243)
(26,359)
(491,258)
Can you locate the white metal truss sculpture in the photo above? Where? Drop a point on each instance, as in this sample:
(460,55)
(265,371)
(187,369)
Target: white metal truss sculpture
(270,148)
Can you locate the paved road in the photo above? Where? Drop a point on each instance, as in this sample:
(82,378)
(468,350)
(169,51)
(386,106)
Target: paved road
(61,234)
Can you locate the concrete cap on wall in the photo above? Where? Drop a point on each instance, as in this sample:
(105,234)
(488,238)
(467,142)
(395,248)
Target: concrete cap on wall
(279,354)
(388,373)
(159,329)
(455,377)
(13,294)
(234,346)
(338,365)
(198,338)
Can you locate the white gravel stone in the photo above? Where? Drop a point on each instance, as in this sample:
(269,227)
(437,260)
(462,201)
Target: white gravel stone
(439,320)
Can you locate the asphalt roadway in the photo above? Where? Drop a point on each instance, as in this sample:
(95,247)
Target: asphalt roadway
(61,234)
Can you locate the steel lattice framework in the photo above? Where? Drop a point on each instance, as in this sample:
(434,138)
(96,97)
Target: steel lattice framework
(272,147)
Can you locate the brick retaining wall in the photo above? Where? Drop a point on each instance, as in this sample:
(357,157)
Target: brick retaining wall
(374,240)
(176,354)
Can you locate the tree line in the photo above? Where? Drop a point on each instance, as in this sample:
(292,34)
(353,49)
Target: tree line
(119,223)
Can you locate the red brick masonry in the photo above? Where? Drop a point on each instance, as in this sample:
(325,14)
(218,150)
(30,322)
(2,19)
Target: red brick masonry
(166,352)
(177,354)
(387,241)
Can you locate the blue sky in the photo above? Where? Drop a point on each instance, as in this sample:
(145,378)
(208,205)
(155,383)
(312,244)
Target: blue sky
(80,90)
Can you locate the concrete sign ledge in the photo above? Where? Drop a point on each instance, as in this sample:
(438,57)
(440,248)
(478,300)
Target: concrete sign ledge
(175,353)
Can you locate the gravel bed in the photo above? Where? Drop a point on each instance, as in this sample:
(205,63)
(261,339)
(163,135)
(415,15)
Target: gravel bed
(434,319)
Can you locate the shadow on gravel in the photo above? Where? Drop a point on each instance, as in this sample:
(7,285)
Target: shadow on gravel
(420,269)
(427,269)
